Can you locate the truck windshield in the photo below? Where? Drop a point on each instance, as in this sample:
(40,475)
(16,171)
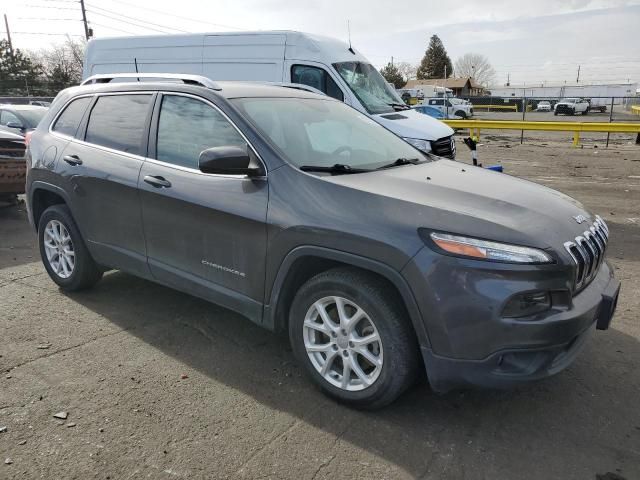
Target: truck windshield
(369,86)
(325,133)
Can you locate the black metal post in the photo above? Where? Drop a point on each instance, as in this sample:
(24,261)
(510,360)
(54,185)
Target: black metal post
(610,118)
(524,111)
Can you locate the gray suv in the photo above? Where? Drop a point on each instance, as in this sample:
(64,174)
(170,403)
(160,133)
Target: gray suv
(305,216)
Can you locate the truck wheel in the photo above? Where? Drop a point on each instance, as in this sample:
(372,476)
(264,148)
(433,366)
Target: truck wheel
(555,113)
(462,114)
(63,252)
(353,338)
(585,112)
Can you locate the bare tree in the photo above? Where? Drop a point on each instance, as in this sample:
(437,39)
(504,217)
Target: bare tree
(62,63)
(407,70)
(477,66)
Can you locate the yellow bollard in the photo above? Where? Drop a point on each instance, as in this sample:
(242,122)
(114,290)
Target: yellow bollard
(576,138)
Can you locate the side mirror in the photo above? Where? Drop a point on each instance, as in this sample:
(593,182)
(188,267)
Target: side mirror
(229,160)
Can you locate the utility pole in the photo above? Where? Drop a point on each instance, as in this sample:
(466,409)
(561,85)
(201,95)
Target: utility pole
(578,77)
(6,24)
(392,60)
(84,20)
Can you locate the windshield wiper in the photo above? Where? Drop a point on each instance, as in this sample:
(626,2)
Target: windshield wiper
(338,168)
(400,161)
(399,106)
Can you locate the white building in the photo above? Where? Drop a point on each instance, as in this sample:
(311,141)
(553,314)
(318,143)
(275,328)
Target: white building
(586,91)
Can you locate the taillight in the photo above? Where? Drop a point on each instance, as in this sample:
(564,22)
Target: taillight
(27,138)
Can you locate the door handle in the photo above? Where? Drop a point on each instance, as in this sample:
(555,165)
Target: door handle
(72,160)
(158,182)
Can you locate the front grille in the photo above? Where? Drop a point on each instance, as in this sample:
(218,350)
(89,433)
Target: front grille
(444,147)
(564,108)
(587,251)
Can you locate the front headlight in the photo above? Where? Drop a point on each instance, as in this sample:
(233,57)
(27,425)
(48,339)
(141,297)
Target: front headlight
(487,250)
(423,145)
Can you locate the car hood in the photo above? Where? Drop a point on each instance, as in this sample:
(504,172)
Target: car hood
(459,198)
(408,123)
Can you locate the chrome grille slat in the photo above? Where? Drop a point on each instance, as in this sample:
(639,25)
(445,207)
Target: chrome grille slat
(587,251)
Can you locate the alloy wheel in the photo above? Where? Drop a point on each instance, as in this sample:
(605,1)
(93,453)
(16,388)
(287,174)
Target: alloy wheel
(59,249)
(343,343)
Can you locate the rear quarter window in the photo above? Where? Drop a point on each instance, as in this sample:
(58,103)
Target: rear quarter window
(118,122)
(69,121)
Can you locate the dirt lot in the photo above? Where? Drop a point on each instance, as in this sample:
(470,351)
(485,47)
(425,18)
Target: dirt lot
(158,384)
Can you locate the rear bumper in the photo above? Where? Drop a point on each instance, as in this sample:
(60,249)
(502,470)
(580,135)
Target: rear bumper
(592,309)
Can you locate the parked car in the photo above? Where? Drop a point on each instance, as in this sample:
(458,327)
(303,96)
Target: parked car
(20,119)
(454,106)
(433,112)
(13,167)
(324,63)
(571,106)
(40,103)
(307,216)
(543,106)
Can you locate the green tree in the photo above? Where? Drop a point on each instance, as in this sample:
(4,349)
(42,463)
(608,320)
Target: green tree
(392,75)
(17,70)
(434,61)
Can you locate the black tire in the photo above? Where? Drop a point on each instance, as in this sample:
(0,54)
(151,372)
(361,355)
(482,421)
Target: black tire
(401,360)
(571,112)
(85,273)
(555,113)
(585,112)
(461,113)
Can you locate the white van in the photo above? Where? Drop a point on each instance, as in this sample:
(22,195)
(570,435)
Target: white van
(277,56)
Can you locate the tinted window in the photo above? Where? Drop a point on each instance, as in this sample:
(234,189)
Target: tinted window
(69,121)
(317,78)
(8,117)
(187,127)
(117,121)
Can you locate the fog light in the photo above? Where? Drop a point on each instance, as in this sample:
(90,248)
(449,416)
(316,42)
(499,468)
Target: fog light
(525,304)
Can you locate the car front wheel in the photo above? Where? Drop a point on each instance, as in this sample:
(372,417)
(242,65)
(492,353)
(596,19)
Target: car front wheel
(353,338)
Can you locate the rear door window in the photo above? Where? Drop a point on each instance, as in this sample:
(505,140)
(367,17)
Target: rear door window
(317,78)
(118,122)
(188,126)
(68,122)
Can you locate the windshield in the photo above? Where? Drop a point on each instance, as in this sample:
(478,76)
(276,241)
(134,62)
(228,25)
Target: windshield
(33,117)
(369,86)
(569,100)
(324,133)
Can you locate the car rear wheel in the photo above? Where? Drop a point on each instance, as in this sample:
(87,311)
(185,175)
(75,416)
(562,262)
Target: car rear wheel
(353,338)
(63,252)
(462,114)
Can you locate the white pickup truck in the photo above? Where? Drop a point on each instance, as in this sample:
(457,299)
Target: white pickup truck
(571,106)
(455,106)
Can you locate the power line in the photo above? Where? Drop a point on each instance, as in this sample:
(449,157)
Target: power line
(113,28)
(173,15)
(51,7)
(51,19)
(111,12)
(40,33)
(127,22)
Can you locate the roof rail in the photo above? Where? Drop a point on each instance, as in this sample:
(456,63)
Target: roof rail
(297,86)
(135,77)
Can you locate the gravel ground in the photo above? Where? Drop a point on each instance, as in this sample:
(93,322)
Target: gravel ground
(158,384)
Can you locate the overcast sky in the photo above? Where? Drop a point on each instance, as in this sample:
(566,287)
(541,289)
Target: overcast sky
(533,41)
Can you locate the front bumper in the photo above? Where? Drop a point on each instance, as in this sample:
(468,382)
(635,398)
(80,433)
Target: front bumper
(472,345)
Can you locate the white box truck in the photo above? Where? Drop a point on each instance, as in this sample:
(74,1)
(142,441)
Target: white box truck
(324,63)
